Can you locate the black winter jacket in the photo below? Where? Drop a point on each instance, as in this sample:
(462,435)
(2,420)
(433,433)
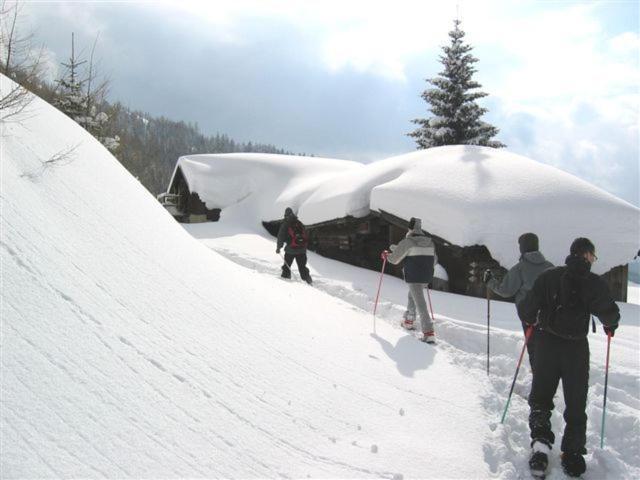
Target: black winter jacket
(563,298)
(284,238)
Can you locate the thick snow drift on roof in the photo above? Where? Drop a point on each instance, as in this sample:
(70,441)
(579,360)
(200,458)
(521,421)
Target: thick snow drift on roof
(464,194)
(130,350)
(265,183)
(477,195)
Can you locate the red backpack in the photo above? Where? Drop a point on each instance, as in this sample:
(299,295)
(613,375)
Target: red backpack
(298,235)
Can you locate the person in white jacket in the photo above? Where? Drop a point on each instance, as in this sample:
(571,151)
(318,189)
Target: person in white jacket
(418,256)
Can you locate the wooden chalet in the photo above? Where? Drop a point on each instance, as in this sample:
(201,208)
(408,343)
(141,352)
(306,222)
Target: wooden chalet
(185,205)
(359,241)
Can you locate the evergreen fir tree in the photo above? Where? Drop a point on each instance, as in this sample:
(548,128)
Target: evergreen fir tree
(456,119)
(71,99)
(81,104)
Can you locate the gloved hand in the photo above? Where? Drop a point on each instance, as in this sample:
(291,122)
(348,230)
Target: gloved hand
(487,275)
(278,251)
(610,330)
(384,254)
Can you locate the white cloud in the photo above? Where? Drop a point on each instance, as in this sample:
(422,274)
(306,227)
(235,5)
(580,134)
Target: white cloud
(377,37)
(555,62)
(626,43)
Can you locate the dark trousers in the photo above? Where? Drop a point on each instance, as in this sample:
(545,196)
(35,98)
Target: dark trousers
(301,260)
(530,344)
(567,360)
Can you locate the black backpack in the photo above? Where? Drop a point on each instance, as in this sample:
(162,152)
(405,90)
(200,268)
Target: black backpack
(298,237)
(568,315)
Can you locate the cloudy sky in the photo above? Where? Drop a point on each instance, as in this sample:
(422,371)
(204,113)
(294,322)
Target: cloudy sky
(343,78)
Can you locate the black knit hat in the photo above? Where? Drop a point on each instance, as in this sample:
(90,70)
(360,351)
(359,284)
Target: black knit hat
(288,212)
(582,245)
(528,243)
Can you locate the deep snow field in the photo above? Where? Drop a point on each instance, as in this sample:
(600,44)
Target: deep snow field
(461,331)
(134,347)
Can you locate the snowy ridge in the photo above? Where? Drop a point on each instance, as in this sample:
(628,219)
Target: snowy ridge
(467,195)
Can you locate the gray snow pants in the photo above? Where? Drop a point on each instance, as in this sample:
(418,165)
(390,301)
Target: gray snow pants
(416,299)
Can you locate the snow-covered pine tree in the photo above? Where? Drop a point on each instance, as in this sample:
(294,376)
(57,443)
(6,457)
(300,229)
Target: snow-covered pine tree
(71,99)
(81,103)
(456,115)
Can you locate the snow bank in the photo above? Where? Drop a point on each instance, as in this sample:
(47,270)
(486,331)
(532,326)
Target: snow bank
(464,194)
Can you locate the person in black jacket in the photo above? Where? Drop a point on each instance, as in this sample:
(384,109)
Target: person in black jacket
(293,236)
(559,307)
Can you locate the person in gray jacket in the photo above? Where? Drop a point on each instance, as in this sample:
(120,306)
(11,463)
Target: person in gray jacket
(520,278)
(418,254)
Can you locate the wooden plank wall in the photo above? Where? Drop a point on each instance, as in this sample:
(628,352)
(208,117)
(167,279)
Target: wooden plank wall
(360,241)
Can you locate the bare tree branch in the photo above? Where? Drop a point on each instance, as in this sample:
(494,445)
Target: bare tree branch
(59,159)
(17,63)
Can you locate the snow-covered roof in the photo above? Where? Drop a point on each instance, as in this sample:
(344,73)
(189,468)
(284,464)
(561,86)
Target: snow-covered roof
(267,183)
(467,195)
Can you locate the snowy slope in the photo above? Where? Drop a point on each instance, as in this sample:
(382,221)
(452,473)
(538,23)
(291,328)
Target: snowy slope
(130,350)
(467,195)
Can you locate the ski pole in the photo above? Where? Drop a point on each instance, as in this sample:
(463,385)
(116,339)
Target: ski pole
(527,335)
(430,304)
(375,307)
(289,267)
(488,325)
(606,381)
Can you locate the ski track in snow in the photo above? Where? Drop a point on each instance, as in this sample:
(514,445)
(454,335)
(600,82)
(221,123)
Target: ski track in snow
(507,447)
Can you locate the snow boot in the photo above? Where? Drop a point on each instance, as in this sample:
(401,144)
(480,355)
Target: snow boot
(539,460)
(307,278)
(286,272)
(408,324)
(429,337)
(573,464)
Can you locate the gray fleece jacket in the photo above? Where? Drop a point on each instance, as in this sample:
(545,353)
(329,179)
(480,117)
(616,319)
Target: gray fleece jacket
(418,253)
(520,279)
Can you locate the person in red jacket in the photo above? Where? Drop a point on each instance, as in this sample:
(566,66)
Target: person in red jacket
(293,236)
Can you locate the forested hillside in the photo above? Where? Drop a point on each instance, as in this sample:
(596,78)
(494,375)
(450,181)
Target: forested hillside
(149,147)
